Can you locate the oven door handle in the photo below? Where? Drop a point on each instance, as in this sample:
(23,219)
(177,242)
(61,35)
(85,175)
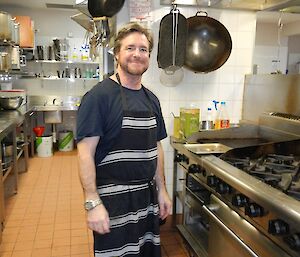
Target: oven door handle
(208,210)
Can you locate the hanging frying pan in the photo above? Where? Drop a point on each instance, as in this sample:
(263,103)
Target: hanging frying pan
(108,8)
(101,10)
(208,44)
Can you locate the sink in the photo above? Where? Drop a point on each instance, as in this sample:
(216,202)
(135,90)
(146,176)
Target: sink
(213,148)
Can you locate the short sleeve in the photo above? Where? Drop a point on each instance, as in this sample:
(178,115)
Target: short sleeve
(90,121)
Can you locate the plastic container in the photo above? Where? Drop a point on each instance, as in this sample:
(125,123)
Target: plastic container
(208,123)
(65,141)
(176,127)
(44,146)
(222,120)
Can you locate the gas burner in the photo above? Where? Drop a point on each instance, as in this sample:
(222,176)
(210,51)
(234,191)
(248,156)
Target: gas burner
(280,159)
(279,171)
(242,164)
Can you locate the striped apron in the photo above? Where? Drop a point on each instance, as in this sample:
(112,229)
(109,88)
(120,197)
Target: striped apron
(126,186)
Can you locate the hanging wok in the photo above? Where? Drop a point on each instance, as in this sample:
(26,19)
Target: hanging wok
(208,44)
(108,8)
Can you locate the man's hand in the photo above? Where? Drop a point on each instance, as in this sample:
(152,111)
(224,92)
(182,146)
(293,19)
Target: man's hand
(165,204)
(98,219)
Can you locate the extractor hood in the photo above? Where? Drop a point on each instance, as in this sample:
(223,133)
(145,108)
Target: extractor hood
(292,6)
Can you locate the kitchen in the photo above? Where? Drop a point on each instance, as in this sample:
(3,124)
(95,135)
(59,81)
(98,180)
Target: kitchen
(224,84)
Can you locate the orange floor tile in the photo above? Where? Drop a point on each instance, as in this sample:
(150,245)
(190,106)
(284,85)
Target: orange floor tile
(46,219)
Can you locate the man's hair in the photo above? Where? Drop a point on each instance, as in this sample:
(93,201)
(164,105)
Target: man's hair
(132,27)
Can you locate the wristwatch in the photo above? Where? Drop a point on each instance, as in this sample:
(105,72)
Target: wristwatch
(91,204)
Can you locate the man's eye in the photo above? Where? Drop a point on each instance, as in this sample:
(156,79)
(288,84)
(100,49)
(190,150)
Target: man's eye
(129,48)
(144,50)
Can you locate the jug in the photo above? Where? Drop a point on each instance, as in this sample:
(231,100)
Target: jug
(189,121)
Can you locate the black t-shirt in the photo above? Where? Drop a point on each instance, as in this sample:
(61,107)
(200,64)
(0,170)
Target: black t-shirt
(100,113)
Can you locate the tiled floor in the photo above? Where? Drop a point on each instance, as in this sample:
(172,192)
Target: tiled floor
(46,218)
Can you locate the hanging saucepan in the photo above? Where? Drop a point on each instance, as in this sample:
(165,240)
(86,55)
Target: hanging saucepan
(208,44)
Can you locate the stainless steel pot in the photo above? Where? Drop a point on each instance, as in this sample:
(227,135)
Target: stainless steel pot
(5,26)
(208,44)
(11,103)
(15,58)
(5,61)
(16,33)
(7,150)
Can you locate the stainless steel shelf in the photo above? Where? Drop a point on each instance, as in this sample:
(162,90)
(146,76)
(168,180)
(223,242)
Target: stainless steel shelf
(66,62)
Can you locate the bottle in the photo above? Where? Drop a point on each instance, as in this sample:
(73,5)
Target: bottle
(74,54)
(223,117)
(217,121)
(209,119)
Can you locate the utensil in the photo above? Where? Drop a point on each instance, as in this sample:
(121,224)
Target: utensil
(208,43)
(39,131)
(172,32)
(101,8)
(11,103)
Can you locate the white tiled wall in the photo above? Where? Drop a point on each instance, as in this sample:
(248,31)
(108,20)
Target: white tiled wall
(226,83)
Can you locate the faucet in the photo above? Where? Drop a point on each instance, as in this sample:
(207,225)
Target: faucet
(55,99)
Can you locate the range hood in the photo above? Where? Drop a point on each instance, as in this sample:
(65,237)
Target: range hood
(291,6)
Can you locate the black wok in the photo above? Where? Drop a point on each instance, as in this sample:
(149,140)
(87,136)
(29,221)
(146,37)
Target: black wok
(208,44)
(108,8)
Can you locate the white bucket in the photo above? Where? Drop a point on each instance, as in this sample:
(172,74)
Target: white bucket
(65,141)
(44,146)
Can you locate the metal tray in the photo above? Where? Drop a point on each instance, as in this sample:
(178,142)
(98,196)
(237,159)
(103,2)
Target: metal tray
(213,148)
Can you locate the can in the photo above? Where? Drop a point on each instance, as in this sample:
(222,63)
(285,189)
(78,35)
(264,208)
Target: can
(44,146)
(65,141)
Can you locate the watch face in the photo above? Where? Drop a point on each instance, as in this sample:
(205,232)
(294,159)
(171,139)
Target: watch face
(88,205)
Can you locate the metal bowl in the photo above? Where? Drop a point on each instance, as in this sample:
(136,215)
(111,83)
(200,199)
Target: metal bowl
(11,103)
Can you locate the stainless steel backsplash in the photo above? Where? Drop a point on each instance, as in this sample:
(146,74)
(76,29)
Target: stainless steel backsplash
(270,93)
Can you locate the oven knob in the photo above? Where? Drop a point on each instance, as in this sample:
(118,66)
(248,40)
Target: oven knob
(278,227)
(212,181)
(239,200)
(194,168)
(223,188)
(181,158)
(254,210)
(293,241)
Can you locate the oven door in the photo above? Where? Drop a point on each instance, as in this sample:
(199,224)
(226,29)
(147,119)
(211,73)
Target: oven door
(195,226)
(232,235)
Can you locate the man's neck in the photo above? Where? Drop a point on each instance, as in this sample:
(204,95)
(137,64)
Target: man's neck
(130,81)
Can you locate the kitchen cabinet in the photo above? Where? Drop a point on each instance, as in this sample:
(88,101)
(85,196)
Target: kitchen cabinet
(26,31)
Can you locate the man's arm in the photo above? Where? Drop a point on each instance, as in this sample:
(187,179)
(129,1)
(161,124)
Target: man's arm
(97,218)
(164,201)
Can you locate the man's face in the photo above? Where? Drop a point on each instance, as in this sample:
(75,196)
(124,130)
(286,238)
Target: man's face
(133,57)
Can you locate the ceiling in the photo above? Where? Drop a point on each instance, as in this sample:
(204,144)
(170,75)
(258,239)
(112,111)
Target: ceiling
(267,17)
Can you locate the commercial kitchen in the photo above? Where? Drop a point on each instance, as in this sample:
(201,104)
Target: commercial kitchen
(227,77)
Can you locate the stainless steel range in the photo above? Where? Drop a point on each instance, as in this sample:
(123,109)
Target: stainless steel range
(245,201)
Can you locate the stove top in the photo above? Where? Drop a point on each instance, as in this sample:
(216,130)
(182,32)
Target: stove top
(277,170)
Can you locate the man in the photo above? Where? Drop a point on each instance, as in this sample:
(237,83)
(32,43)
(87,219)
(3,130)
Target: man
(120,126)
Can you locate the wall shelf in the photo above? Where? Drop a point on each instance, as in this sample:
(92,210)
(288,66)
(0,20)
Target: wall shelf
(66,62)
